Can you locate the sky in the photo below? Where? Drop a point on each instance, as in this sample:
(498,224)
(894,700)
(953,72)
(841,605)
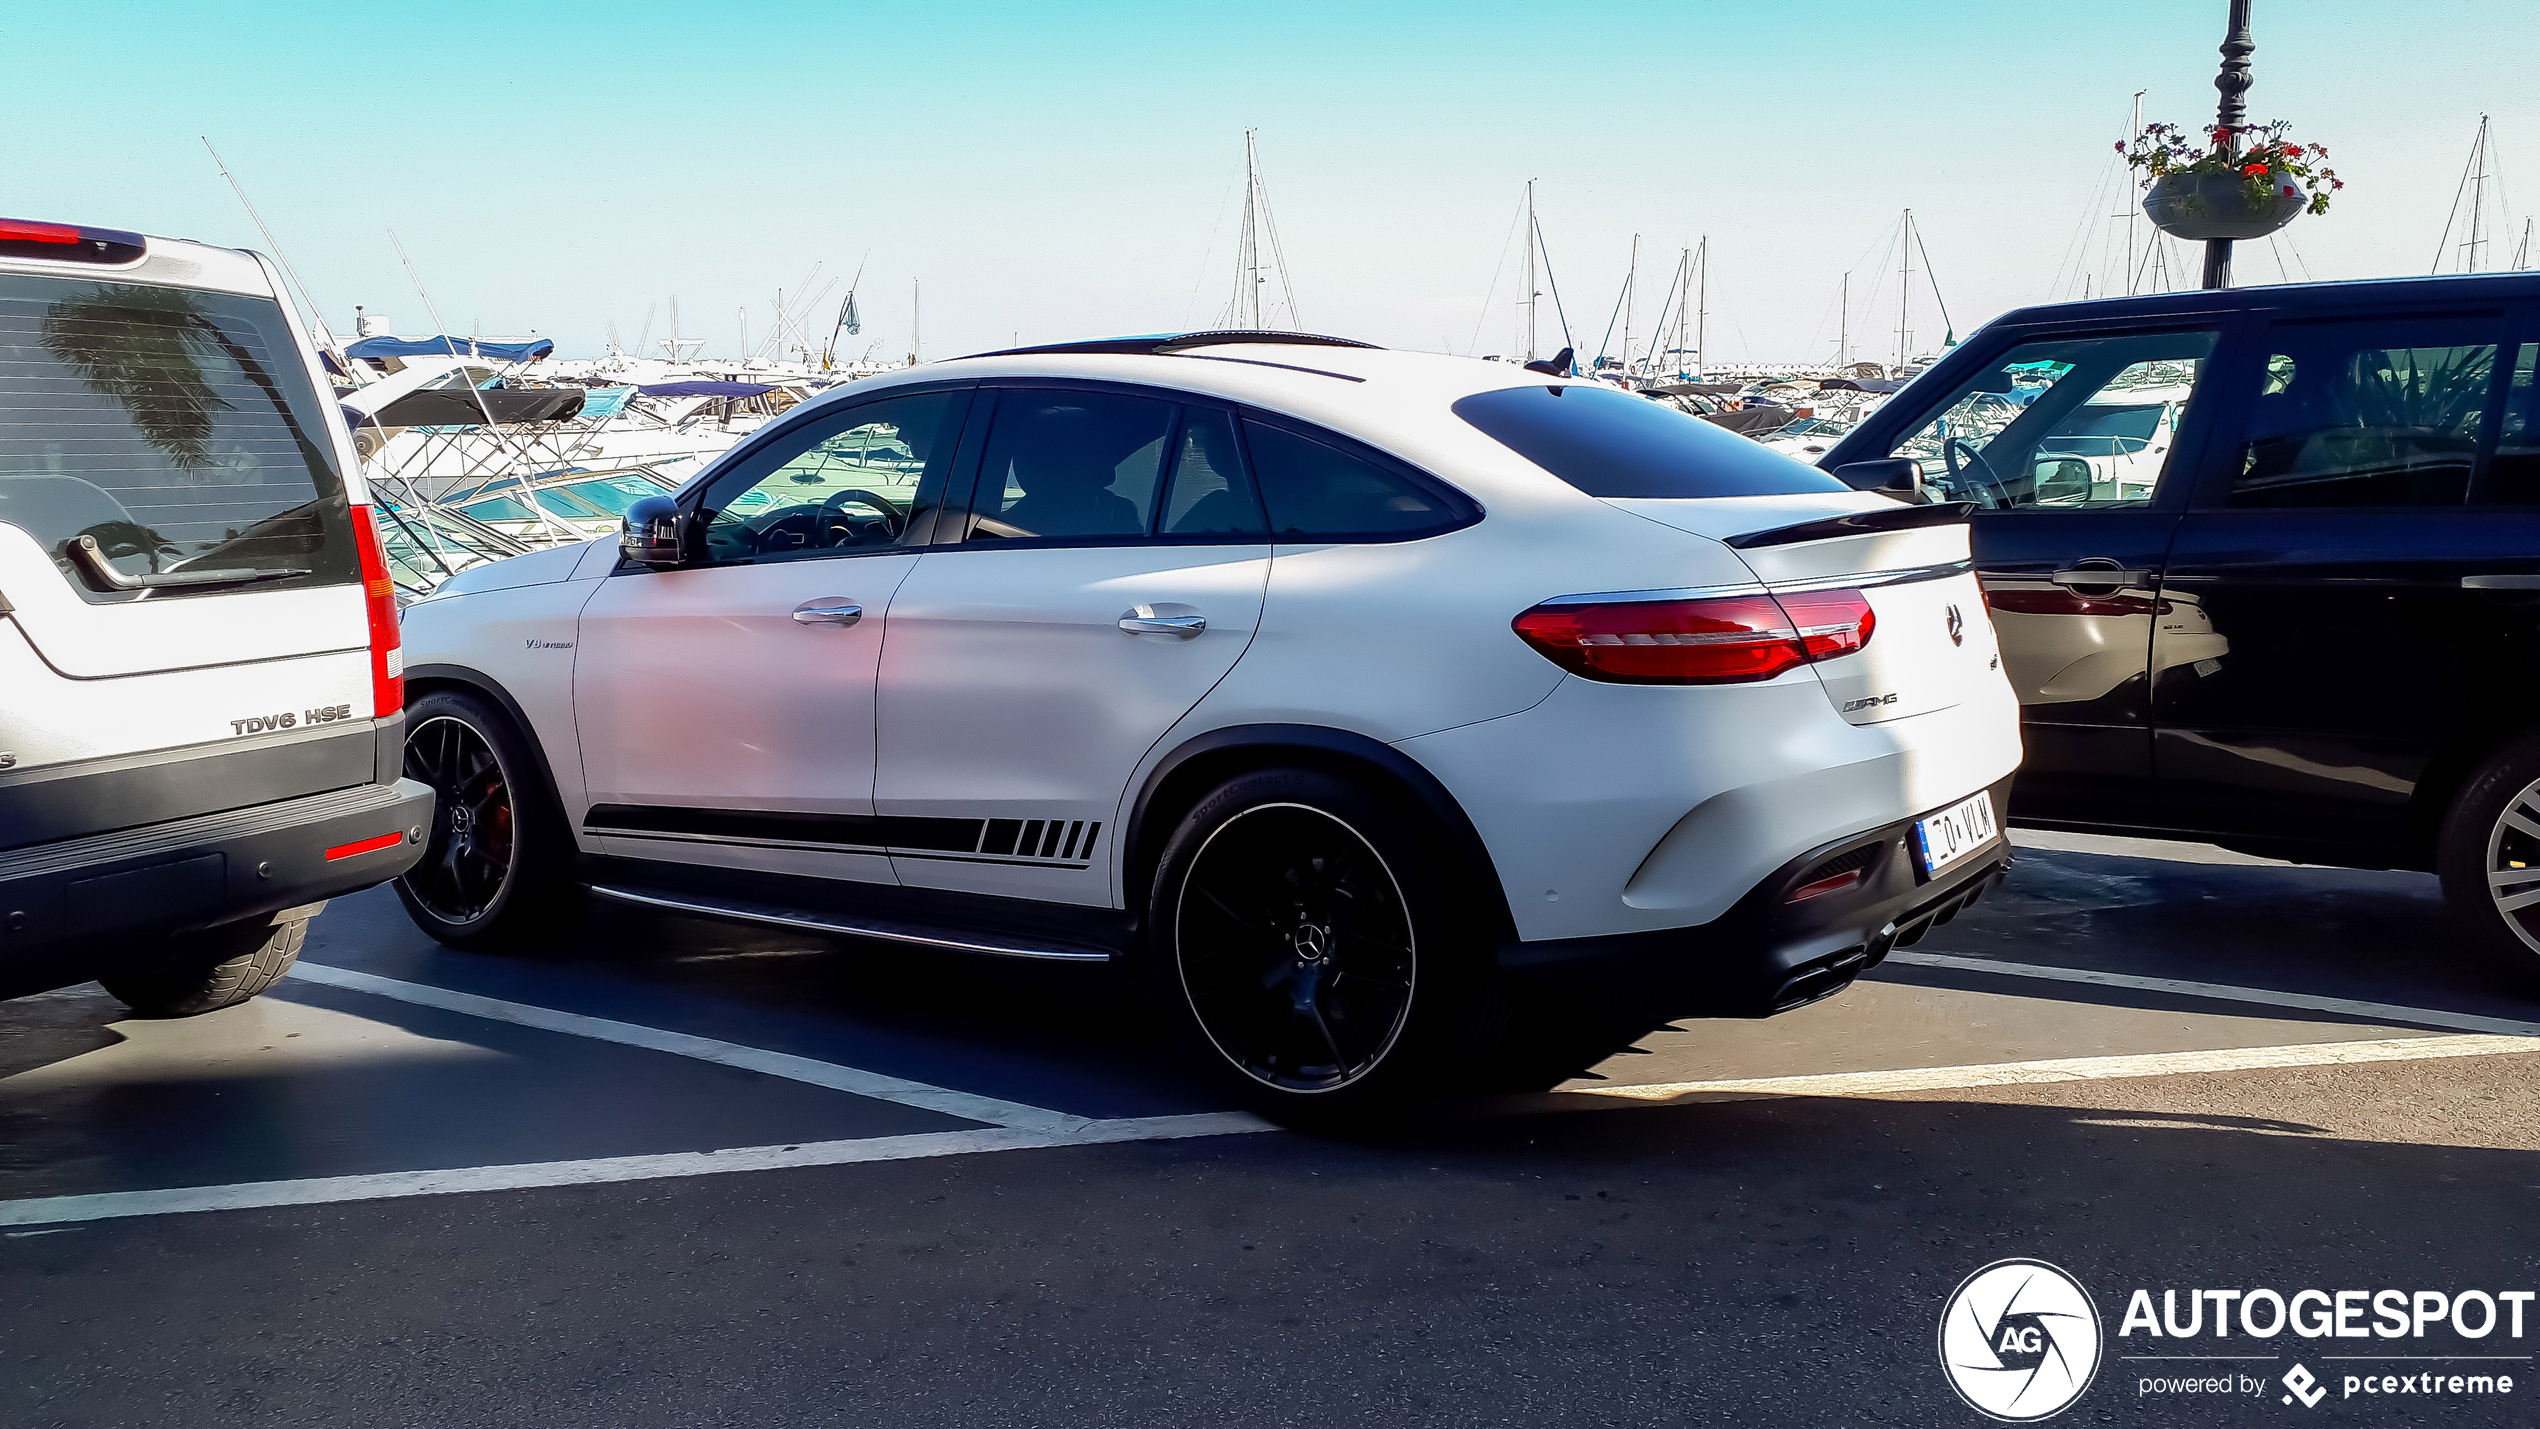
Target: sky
(1051,171)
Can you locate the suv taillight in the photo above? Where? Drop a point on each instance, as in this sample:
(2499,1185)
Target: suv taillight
(379,603)
(1720,641)
(68,243)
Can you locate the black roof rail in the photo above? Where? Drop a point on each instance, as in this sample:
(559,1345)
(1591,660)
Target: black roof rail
(1167,343)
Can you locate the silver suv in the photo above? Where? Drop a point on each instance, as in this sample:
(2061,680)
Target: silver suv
(201,702)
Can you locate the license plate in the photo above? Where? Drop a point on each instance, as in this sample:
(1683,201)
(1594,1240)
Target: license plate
(1944,838)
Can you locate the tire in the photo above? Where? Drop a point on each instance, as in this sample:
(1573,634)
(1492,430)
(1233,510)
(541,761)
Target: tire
(216,968)
(1305,935)
(497,871)
(2489,859)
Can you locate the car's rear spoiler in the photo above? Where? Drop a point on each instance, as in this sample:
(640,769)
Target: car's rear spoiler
(1859,523)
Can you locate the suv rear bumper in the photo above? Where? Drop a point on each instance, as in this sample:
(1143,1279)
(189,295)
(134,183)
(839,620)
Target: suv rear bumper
(1769,953)
(80,908)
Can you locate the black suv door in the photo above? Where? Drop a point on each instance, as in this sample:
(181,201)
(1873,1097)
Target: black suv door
(2074,445)
(2356,594)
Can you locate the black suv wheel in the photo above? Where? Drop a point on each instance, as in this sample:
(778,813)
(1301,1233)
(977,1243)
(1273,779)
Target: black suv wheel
(1302,935)
(2490,858)
(496,868)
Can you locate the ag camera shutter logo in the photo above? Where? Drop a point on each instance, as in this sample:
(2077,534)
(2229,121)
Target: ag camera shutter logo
(2020,1341)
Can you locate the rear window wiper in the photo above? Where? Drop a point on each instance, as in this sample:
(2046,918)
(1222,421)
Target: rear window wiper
(87,554)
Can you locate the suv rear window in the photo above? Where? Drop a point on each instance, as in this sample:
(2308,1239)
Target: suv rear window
(1611,443)
(177,428)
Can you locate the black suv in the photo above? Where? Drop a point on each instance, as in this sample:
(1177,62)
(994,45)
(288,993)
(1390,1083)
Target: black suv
(2266,567)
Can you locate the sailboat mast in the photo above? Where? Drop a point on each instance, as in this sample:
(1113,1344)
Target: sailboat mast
(1904,288)
(2133,210)
(915,313)
(1631,275)
(1532,290)
(2477,197)
(1684,300)
(1701,305)
(1843,322)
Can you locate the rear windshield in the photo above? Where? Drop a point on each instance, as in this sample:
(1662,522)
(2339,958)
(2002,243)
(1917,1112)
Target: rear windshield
(177,428)
(1610,443)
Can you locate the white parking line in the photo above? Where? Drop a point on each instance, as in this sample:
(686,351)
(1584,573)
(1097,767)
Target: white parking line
(2377,1011)
(2081,1069)
(326,1190)
(966,1105)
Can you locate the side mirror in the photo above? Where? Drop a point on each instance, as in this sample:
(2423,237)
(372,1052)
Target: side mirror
(1895,476)
(654,533)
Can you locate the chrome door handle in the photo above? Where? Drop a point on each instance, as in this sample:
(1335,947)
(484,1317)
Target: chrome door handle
(2098,575)
(828,610)
(1142,620)
(2500,582)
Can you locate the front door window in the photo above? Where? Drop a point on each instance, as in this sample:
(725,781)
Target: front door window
(2064,424)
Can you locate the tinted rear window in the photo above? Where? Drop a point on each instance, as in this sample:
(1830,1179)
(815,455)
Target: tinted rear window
(1610,443)
(177,428)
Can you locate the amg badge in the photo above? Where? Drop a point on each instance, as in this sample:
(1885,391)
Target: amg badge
(1850,705)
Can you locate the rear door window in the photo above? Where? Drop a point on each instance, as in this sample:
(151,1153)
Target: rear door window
(1072,466)
(2381,411)
(1611,443)
(177,429)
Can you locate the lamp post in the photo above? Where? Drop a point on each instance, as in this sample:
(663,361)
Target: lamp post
(2233,82)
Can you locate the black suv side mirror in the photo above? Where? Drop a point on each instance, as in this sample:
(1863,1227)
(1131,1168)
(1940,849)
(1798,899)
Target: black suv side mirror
(1896,476)
(654,533)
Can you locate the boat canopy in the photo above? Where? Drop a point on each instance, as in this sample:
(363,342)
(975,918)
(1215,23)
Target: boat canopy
(1694,389)
(460,407)
(706,389)
(376,347)
(1860,384)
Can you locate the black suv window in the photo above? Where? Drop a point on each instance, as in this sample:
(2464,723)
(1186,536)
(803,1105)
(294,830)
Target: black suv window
(2381,411)
(1610,443)
(849,479)
(2064,423)
(1316,490)
(177,429)
(2513,472)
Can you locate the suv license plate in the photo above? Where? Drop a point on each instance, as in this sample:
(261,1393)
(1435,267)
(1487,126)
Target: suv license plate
(1944,838)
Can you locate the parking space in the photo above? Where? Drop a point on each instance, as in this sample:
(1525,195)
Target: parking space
(672,1172)
(391,1064)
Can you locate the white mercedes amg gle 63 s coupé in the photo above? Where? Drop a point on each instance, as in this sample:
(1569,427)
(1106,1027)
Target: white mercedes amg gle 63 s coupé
(1345,694)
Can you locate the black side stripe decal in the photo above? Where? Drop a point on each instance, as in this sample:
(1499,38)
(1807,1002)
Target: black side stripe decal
(1055,840)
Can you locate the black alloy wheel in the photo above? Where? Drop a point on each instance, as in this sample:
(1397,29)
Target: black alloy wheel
(497,869)
(1295,949)
(1305,940)
(469,859)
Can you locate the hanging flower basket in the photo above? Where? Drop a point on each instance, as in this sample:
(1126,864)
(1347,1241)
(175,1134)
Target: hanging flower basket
(2196,207)
(2250,183)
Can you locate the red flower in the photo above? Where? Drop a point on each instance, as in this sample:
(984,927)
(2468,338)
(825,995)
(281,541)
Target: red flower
(2288,191)
(2253,169)
(2120,146)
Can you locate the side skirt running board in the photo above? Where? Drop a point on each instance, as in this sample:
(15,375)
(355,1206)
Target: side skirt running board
(845,926)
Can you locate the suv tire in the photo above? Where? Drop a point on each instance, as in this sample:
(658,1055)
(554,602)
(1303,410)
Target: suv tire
(496,871)
(2490,839)
(215,968)
(1305,937)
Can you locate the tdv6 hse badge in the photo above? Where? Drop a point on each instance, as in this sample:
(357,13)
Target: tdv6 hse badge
(288,719)
(2019,1340)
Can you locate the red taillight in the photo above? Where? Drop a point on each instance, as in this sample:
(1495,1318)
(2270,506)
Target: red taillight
(68,243)
(1720,641)
(20,230)
(363,846)
(379,602)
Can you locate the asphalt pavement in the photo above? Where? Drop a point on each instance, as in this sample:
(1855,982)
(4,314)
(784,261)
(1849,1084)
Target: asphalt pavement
(676,1173)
